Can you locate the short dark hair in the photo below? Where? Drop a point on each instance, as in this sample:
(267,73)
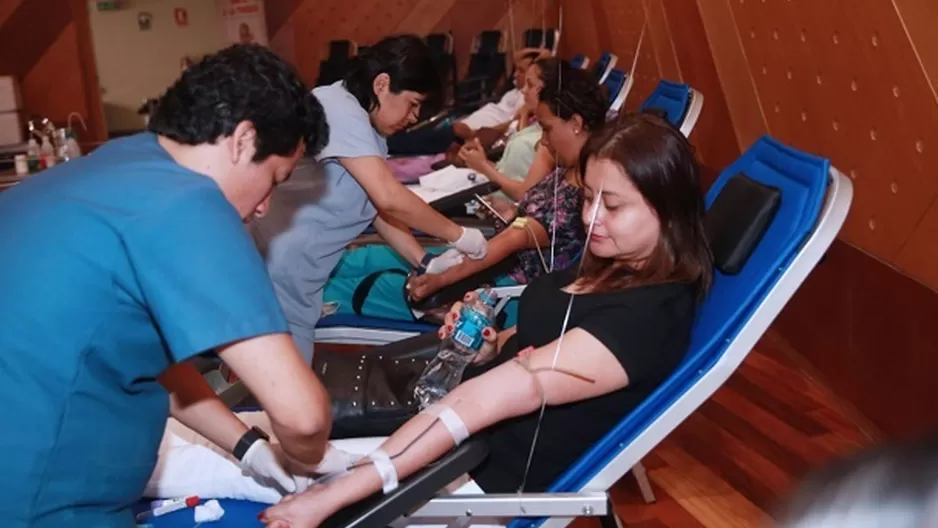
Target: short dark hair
(569,91)
(660,162)
(243,82)
(407,61)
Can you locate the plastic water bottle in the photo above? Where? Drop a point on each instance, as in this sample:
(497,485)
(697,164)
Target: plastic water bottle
(457,351)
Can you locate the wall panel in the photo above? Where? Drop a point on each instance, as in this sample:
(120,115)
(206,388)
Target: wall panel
(842,79)
(853,80)
(53,61)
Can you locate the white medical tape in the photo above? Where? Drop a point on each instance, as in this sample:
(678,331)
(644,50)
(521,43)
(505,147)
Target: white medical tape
(385,468)
(452,421)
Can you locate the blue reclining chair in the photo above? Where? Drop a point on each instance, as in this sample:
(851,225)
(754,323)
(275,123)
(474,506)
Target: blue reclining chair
(607,61)
(619,84)
(580,62)
(771,217)
(679,102)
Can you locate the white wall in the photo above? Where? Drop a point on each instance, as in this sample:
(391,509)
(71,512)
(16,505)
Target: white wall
(134,65)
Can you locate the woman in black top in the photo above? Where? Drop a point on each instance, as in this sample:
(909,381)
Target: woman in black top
(634,301)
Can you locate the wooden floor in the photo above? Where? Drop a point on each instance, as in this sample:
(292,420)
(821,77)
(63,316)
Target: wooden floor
(732,461)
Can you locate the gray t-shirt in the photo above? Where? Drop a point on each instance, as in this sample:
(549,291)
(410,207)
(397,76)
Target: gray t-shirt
(317,212)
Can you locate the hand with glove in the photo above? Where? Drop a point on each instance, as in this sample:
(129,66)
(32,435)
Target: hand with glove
(335,462)
(444,261)
(265,464)
(472,243)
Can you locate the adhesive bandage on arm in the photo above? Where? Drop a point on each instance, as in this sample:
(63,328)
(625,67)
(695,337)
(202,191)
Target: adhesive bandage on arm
(452,421)
(386,470)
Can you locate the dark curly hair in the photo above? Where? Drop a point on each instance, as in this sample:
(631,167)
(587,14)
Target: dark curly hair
(407,61)
(569,91)
(244,82)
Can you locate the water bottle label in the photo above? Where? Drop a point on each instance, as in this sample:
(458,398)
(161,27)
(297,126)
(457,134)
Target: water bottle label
(468,335)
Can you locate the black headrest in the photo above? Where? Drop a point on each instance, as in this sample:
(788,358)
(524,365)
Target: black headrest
(340,48)
(533,37)
(737,219)
(437,43)
(489,42)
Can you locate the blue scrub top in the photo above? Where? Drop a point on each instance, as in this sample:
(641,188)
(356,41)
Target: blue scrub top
(112,267)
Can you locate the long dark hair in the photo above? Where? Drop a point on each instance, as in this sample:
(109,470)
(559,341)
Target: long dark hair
(569,91)
(660,162)
(407,61)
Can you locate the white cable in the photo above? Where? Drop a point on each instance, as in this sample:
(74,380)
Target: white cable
(563,330)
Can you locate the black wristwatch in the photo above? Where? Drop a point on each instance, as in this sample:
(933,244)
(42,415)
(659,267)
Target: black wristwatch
(424,262)
(247,440)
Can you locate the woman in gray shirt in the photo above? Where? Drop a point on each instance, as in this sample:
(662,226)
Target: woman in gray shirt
(328,201)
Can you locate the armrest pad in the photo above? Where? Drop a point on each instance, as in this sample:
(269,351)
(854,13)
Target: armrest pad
(462,197)
(382,510)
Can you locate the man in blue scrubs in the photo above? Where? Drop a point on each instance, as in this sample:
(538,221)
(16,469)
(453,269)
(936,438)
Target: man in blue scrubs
(119,266)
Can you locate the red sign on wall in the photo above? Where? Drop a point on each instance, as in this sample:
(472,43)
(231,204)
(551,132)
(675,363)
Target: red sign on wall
(182,16)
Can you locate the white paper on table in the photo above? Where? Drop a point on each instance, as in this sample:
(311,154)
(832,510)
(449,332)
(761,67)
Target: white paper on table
(445,182)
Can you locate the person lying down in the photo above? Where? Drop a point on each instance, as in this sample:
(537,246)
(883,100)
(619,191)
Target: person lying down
(633,304)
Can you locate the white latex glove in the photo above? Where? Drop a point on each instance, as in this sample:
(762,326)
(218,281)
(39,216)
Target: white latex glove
(261,463)
(472,243)
(334,462)
(445,261)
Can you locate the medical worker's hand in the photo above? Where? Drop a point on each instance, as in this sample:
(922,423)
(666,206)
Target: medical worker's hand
(262,463)
(489,335)
(472,243)
(336,461)
(445,261)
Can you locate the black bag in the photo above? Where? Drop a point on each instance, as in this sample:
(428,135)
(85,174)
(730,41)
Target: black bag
(373,391)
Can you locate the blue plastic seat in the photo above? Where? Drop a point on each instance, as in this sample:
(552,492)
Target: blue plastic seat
(671,97)
(731,304)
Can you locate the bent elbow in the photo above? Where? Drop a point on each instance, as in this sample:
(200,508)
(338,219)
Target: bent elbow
(308,424)
(314,421)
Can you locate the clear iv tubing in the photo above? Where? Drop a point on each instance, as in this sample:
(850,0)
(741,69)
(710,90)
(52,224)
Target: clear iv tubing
(531,231)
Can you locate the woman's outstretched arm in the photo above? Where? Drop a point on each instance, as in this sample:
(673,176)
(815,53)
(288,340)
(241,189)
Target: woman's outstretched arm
(512,389)
(503,245)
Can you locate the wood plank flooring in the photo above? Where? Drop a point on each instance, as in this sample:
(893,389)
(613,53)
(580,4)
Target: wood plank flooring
(734,460)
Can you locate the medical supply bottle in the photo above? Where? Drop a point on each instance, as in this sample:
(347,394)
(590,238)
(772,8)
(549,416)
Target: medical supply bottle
(457,351)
